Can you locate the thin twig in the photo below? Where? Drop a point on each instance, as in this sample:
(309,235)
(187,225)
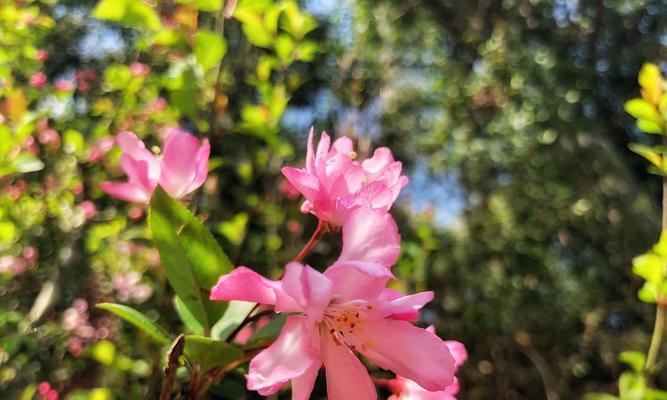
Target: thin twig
(319,231)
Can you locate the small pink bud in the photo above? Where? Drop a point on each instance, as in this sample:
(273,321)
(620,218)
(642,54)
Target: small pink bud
(38,80)
(42,55)
(139,69)
(44,387)
(30,254)
(89,209)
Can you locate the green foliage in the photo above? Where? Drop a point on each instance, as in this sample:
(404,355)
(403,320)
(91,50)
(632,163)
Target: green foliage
(191,257)
(139,320)
(651,267)
(129,13)
(210,353)
(209,49)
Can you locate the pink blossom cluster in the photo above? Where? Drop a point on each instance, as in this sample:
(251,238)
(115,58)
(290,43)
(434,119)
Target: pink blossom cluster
(181,169)
(76,321)
(47,392)
(18,265)
(347,310)
(128,286)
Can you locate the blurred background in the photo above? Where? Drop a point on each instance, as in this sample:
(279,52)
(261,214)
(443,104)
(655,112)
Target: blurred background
(523,212)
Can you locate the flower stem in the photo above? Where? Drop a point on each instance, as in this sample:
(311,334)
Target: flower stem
(319,231)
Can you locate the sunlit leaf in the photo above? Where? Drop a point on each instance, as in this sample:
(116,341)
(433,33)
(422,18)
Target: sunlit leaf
(235,313)
(641,109)
(210,48)
(634,359)
(650,79)
(649,126)
(139,320)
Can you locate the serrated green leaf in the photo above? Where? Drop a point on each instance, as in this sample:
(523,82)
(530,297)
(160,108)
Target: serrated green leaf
(235,313)
(192,259)
(210,49)
(210,353)
(139,320)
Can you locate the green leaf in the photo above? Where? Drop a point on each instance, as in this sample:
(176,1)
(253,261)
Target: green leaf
(634,359)
(235,313)
(26,162)
(210,353)
(284,46)
(268,332)
(655,394)
(649,153)
(253,27)
(139,320)
(235,229)
(210,48)
(641,109)
(631,386)
(104,352)
(649,126)
(129,13)
(191,258)
(648,293)
(186,316)
(650,267)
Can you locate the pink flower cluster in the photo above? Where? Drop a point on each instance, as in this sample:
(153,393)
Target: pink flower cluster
(76,321)
(182,168)
(347,310)
(334,182)
(47,392)
(128,286)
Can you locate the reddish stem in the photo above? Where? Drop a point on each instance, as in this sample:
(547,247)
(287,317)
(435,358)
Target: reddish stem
(319,231)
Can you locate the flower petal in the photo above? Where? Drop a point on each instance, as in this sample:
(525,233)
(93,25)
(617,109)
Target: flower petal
(426,361)
(247,285)
(347,378)
(404,307)
(302,181)
(458,351)
(126,191)
(181,163)
(354,280)
(290,356)
(371,236)
(302,386)
(308,291)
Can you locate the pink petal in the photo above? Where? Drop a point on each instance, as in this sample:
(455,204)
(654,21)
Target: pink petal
(310,154)
(458,351)
(406,307)
(126,191)
(353,280)
(343,145)
(246,285)
(137,172)
(370,235)
(347,378)
(290,356)
(411,352)
(135,148)
(202,164)
(413,391)
(308,291)
(304,182)
(302,386)
(374,166)
(182,163)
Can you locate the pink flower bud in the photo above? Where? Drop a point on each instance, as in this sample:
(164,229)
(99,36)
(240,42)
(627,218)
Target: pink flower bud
(30,254)
(64,85)
(89,209)
(38,80)
(42,55)
(139,69)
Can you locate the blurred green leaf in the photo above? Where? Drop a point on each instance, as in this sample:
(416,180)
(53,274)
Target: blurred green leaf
(631,386)
(26,162)
(268,332)
(139,320)
(235,229)
(649,126)
(236,312)
(129,13)
(103,351)
(634,359)
(648,153)
(640,109)
(191,258)
(210,48)
(210,353)
(650,267)
(599,396)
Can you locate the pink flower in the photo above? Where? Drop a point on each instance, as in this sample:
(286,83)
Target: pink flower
(344,310)
(30,254)
(89,209)
(182,169)
(42,55)
(38,80)
(141,167)
(100,148)
(64,85)
(406,389)
(13,266)
(139,69)
(334,183)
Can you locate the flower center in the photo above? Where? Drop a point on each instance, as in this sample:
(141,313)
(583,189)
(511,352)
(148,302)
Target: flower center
(344,322)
